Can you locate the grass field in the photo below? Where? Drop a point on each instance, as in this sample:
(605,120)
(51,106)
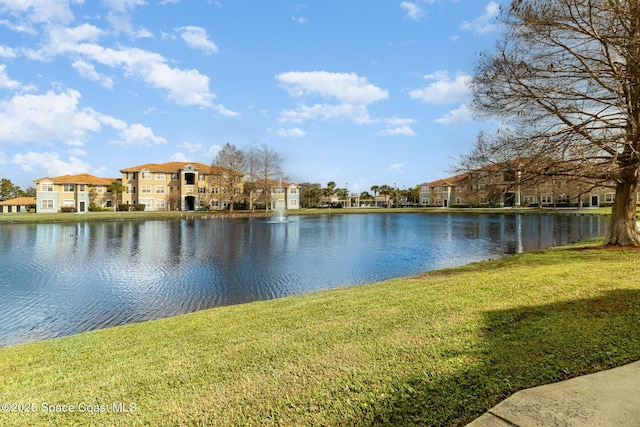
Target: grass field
(436,349)
(127,216)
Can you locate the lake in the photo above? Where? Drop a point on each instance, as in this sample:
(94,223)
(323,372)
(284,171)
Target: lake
(65,278)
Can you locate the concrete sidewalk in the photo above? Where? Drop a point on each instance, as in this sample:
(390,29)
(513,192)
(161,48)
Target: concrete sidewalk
(608,398)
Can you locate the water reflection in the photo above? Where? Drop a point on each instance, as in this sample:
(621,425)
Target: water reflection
(60,279)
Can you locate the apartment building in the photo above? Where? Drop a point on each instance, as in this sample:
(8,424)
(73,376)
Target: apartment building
(285,196)
(20,204)
(504,186)
(74,193)
(182,186)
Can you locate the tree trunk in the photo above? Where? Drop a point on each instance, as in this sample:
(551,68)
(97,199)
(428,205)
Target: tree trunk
(622,228)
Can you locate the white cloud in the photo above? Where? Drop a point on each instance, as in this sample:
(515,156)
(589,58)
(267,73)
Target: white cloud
(457,117)
(7,52)
(191,148)
(38,12)
(291,132)
(224,111)
(485,23)
(139,135)
(184,87)
(444,90)
(119,15)
(196,38)
(396,168)
(352,93)
(346,87)
(87,71)
(299,19)
(50,163)
(57,117)
(5,81)
(413,10)
(47,118)
(178,157)
(397,126)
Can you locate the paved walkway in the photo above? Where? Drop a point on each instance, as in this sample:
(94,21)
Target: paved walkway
(608,398)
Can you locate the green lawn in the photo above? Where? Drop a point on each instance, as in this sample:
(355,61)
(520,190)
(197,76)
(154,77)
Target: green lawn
(126,216)
(437,349)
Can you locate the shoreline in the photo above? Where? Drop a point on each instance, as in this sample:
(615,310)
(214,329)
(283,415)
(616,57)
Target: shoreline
(34,218)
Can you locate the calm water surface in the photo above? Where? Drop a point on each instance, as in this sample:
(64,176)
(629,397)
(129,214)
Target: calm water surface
(61,279)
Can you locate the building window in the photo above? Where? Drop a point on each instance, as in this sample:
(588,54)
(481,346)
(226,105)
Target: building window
(148,203)
(609,197)
(145,175)
(160,176)
(131,189)
(160,189)
(293,190)
(46,186)
(68,188)
(46,204)
(145,189)
(131,175)
(174,176)
(201,177)
(99,189)
(161,204)
(68,203)
(546,199)
(201,190)
(215,190)
(294,202)
(215,203)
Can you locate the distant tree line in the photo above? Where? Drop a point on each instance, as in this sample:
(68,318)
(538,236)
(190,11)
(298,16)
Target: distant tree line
(312,195)
(10,191)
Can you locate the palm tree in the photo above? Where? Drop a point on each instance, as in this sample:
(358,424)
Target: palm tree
(385,190)
(116,188)
(375,189)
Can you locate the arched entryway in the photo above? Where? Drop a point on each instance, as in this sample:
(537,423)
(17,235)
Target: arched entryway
(190,203)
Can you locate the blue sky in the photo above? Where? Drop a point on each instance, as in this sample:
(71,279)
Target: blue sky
(358,92)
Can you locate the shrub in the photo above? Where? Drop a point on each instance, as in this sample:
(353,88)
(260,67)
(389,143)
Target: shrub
(136,207)
(67,209)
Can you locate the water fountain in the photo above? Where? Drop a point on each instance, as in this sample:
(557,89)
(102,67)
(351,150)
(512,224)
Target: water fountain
(280,205)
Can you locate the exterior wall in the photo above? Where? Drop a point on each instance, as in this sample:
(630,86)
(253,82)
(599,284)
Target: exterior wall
(284,196)
(502,188)
(12,207)
(72,191)
(176,186)
(293,197)
(48,197)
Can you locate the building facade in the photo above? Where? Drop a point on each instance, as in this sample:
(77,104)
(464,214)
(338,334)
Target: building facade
(73,193)
(285,196)
(184,186)
(20,204)
(505,187)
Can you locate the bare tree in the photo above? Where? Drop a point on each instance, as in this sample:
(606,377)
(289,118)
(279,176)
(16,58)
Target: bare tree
(269,169)
(564,80)
(231,161)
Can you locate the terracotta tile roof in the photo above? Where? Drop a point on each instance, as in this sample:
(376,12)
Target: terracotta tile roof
(453,180)
(19,201)
(82,178)
(172,167)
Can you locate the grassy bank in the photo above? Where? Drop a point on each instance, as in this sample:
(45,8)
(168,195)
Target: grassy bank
(128,216)
(437,349)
